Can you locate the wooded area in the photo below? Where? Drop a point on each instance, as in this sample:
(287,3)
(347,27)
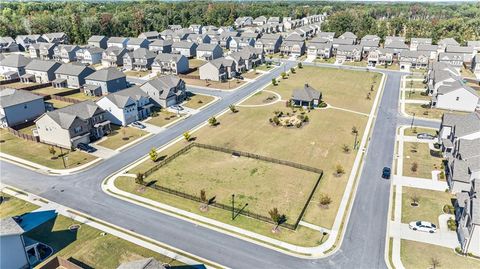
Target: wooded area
(80,20)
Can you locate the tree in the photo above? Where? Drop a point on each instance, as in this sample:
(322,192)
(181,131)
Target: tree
(153,154)
(292,70)
(274,82)
(205,201)
(52,151)
(354,130)
(212,121)
(124,134)
(346,148)
(139,178)
(277,218)
(368,97)
(414,167)
(415,199)
(339,170)
(232,108)
(325,200)
(284,75)
(434,262)
(187,136)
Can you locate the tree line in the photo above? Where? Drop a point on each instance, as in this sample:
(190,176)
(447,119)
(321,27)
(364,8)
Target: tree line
(80,20)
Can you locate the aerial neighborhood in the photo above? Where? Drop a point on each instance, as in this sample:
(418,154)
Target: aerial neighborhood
(165,143)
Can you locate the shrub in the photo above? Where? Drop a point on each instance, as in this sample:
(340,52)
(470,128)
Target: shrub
(306,119)
(187,136)
(458,250)
(325,200)
(322,104)
(233,109)
(274,82)
(452,224)
(346,148)
(153,154)
(448,209)
(284,75)
(212,121)
(139,178)
(292,70)
(276,120)
(414,167)
(298,125)
(354,130)
(415,199)
(442,175)
(300,65)
(339,170)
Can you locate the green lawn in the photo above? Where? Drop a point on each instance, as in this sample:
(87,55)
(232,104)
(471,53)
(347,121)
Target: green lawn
(416,95)
(12,206)
(419,255)
(39,153)
(417,130)
(163,118)
(261,98)
(120,136)
(88,246)
(51,90)
(427,160)
(430,204)
(302,236)
(196,101)
(57,104)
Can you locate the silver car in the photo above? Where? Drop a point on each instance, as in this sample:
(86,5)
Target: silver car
(423,226)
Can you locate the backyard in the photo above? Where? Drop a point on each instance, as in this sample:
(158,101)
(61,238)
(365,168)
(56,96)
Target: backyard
(430,204)
(57,104)
(89,246)
(137,73)
(82,96)
(415,84)
(197,101)
(120,136)
(40,153)
(51,90)
(419,160)
(19,85)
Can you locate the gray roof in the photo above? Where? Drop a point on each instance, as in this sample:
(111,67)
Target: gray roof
(448,41)
(115,50)
(149,34)
(8,226)
(469,148)
(117,39)
(448,56)
(207,47)
(96,38)
(162,84)
(459,171)
(143,53)
(15,60)
(271,36)
(66,116)
(348,35)
(42,65)
(295,37)
(396,44)
(161,43)
(136,41)
(167,57)
(463,124)
(349,48)
(121,98)
(347,41)
(473,43)
(183,44)
(221,61)
(413,54)
(72,69)
(54,35)
(11,97)
(326,34)
(369,43)
(6,39)
(106,74)
(307,93)
(427,47)
(370,38)
(459,49)
(421,40)
(93,50)
(453,86)
(148,263)
(321,46)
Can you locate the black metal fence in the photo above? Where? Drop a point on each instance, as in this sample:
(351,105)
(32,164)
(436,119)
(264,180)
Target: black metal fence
(292,226)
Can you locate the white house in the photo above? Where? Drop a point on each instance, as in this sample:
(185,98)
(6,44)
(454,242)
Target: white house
(456,96)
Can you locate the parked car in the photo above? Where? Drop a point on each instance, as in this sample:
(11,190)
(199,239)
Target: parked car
(86,148)
(386,172)
(177,107)
(425,136)
(138,125)
(423,226)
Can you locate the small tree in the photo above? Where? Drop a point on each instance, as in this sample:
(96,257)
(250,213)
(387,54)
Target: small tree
(346,148)
(434,262)
(284,75)
(232,108)
(124,134)
(325,201)
(52,151)
(292,70)
(153,154)
(368,97)
(212,121)
(187,136)
(274,82)
(415,199)
(277,218)
(300,65)
(354,130)
(205,201)
(203,196)
(139,178)
(414,167)
(339,170)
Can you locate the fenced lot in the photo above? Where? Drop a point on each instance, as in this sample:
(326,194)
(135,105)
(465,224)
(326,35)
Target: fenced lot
(261,182)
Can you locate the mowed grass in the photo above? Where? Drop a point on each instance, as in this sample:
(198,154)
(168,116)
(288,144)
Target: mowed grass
(261,98)
(51,90)
(88,246)
(263,185)
(414,84)
(430,204)
(419,130)
(227,85)
(12,206)
(265,67)
(196,101)
(302,236)
(120,136)
(340,88)
(137,73)
(19,85)
(39,153)
(424,111)
(82,96)
(419,255)
(427,160)
(417,95)
(163,118)
(57,104)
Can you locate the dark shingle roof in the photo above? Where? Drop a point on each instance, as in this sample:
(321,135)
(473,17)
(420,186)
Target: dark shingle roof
(106,74)
(11,97)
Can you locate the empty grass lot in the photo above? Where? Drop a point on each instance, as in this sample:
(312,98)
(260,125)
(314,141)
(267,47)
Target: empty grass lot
(417,95)
(228,85)
(261,98)
(430,204)
(265,67)
(419,255)
(303,236)
(39,153)
(12,206)
(196,101)
(340,88)
(424,111)
(418,130)
(427,160)
(163,118)
(360,64)
(88,246)
(328,61)
(120,136)
(51,90)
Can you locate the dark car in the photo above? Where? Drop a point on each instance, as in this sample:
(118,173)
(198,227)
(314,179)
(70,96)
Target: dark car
(425,136)
(386,172)
(86,148)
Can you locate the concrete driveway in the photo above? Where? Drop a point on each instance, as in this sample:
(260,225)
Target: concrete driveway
(443,237)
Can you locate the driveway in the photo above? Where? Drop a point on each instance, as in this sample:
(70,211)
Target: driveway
(443,237)
(103,152)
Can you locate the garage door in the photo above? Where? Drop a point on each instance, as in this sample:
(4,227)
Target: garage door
(171,102)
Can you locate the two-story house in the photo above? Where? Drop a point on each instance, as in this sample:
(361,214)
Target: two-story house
(57,38)
(161,46)
(117,41)
(13,66)
(219,69)
(167,63)
(91,55)
(467,215)
(136,43)
(65,53)
(165,91)
(71,75)
(18,106)
(99,41)
(185,48)
(104,81)
(113,56)
(139,59)
(46,50)
(209,51)
(40,71)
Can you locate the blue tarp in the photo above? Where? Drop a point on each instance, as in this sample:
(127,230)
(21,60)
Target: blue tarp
(32,220)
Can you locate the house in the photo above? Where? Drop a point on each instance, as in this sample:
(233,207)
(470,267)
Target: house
(252,35)
(368,45)
(327,35)
(236,43)
(294,48)
(57,38)
(65,53)
(468,53)
(18,106)
(91,55)
(398,46)
(161,46)
(443,43)
(185,48)
(209,51)
(253,57)
(12,245)
(8,44)
(40,71)
(261,20)
(24,41)
(306,97)
(455,127)
(196,28)
(243,21)
(136,43)
(174,27)
(71,75)
(113,56)
(105,81)
(456,96)
(432,50)
(152,35)
(350,53)
(165,91)
(440,74)
(219,69)
(120,42)
(274,20)
(467,215)
(167,34)
(13,66)
(415,42)
(413,60)
(139,59)
(199,38)
(454,59)
(269,43)
(320,50)
(239,59)
(68,126)
(226,29)
(341,42)
(126,106)
(349,35)
(474,44)
(224,40)
(370,38)
(46,50)
(167,63)
(99,41)
(380,56)
(181,35)
(148,263)
(476,65)
(390,39)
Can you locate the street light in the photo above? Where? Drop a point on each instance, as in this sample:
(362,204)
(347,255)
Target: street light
(233,206)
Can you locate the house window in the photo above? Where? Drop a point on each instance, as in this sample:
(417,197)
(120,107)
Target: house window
(77,129)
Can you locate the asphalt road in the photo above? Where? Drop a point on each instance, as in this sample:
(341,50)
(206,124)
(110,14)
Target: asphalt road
(364,242)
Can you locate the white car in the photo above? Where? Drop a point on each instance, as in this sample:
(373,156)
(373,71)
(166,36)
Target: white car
(423,226)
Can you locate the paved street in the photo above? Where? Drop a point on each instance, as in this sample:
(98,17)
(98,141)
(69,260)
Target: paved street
(364,242)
